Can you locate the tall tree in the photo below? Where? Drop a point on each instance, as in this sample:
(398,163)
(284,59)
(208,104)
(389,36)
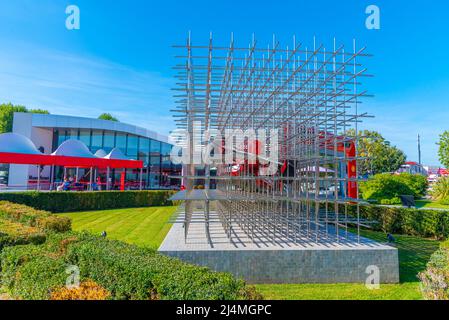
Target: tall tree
(107,116)
(443,151)
(7,115)
(380,156)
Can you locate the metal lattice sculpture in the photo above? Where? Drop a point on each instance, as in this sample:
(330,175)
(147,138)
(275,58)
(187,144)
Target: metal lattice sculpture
(311,97)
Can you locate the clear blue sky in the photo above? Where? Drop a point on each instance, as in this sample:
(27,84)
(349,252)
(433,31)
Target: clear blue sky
(121,59)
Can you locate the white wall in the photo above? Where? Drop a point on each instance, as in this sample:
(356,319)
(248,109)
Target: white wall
(19,174)
(41,138)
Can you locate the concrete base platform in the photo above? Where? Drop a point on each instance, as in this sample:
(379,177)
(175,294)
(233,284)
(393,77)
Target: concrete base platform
(260,261)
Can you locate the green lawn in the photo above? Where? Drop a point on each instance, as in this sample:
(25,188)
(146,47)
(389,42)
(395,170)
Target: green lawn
(148,227)
(431,204)
(413,256)
(141,226)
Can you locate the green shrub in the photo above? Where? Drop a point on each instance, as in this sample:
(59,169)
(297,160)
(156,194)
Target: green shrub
(387,188)
(416,222)
(13,233)
(416,182)
(26,215)
(440,190)
(126,271)
(435,279)
(30,273)
(57,202)
(394,201)
(130,272)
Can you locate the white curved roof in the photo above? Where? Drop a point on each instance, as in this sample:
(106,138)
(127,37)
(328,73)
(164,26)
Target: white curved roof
(16,143)
(101,153)
(116,154)
(73,148)
(69,122)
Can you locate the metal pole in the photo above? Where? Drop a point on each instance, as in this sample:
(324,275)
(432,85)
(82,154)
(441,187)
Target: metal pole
(38,178)
(90,178)
(141,177)
(52,177)
(107,179)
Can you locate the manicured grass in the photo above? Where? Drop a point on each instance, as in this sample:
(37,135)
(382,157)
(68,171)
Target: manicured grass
(141,226)
(431,204)
(414,253)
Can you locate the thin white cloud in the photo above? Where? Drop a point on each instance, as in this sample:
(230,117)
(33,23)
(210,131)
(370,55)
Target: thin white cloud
(84,86)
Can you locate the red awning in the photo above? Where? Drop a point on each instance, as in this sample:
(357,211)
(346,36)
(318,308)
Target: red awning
(64,161)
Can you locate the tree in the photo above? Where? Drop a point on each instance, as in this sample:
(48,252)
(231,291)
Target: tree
(440,190)
(380,155)
(107,116)
(443,151)
(387,188)
(7,115)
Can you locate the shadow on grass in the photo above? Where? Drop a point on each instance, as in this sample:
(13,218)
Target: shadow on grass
(414,253)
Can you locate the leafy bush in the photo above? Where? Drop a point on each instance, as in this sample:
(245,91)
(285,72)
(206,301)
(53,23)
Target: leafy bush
(422,223)
(416,182)
(34,218)
(387,188)
(87,290)
(389,202)
(12,233)
(88,201)
(29,272)
(440,190)
(125,271)
(435,279)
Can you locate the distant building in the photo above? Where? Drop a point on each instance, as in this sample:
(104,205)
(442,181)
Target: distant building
(48,132)
(412,168)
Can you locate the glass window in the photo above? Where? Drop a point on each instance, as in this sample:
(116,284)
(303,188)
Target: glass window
(72,134)
(165,153)
(155,164)
(4,172)
(109,141)
(144,151)
(132,148)
(97,141)
(155,148)
(85,137)
(62,136)
(120,142)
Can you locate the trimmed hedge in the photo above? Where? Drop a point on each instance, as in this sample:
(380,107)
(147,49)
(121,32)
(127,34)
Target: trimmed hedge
(422,223)
(28,216)
(12,234)
(20,224)
(58,202)
(126,271)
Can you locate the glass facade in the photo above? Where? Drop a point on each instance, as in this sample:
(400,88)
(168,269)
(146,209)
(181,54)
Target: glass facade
(4,171)
(155,154)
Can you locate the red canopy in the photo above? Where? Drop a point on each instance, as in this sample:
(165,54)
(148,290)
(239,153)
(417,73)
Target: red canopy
(17,149)
(64,161)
